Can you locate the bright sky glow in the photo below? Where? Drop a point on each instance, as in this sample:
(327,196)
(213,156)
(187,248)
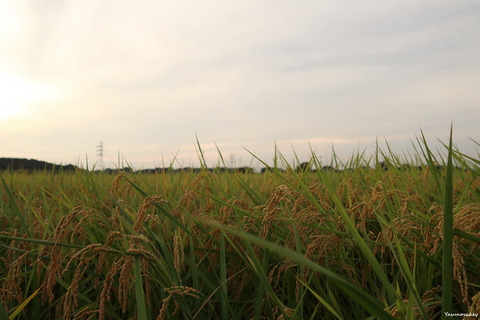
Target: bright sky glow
(13,91)
(147,77)
(17,94)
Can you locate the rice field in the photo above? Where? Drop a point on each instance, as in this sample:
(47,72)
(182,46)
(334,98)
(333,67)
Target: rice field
(363,242)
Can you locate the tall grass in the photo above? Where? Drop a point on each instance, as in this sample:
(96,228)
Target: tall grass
(360,243)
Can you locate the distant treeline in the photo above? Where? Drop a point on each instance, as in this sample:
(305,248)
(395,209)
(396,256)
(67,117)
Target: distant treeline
(179,170)
(30,165)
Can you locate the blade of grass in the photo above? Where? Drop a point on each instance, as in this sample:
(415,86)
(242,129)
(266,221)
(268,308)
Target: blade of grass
(200,154)
(260,272)
(223,280)
(408,276)
(139,293)
(3,312)
(194,270)
(431,162)
(23,305)
(260,296)
(447,263)
(42,242)
(322,301)
(300,270)
(15,207)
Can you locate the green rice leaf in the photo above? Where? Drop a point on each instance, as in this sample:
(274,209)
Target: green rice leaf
(20,307)
(139,293)
(447,263)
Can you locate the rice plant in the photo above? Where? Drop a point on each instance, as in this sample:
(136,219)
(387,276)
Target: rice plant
(379,239)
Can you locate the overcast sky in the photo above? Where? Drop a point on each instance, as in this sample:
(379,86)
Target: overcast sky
(148,77)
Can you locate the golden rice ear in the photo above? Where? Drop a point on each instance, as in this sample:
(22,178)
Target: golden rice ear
(172,293)
(178,254)
(271,208)
(107,287)
(148,202)
(475,307)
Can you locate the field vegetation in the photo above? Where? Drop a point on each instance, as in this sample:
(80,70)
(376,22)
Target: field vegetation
(361,243)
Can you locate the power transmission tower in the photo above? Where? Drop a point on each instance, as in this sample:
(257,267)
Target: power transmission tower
(100,156)
(232,160)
